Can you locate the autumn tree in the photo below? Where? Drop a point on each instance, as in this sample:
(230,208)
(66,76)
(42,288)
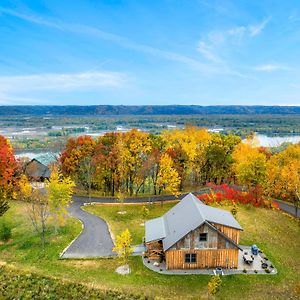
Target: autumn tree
(249,164)
(106,162)
(148,174)
(168,178)
(133,147)
(59,192)
(214,285)
(158,145)
(145,212)
(283,175)
(8,167)
(189,144)
(75,151)
(123,246)
(218,158)
(37,207)
(86,173)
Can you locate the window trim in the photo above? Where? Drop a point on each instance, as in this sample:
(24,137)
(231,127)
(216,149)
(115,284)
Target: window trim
(201,240)
(190,258)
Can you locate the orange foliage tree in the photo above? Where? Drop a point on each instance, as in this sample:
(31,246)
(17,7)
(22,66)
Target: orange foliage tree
(8,166)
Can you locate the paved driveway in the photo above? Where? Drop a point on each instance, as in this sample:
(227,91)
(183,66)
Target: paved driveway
(289,208)
(95,239)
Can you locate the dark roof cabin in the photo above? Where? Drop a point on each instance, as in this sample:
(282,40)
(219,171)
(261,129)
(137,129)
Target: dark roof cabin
(192,235)
(37,171)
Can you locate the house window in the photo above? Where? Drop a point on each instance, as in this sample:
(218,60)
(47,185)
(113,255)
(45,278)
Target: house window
(190,258)
(203,237)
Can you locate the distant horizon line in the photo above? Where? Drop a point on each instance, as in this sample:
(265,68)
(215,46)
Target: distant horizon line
(145,105)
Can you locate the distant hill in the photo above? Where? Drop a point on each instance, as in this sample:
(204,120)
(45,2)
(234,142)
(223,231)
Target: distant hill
(110,110)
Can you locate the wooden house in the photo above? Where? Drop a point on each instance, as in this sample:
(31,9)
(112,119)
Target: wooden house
(192,235)
(36,171)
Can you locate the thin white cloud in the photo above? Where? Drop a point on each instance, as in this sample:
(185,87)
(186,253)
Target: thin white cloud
(271,68)
(208,52)
(60,82)
(258,28)
(121,41)
(14,100)
(214,42)
(239,31)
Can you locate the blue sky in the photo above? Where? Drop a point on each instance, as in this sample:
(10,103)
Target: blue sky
(202,52)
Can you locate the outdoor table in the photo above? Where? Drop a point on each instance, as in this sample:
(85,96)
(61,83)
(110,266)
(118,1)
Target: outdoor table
(248,258)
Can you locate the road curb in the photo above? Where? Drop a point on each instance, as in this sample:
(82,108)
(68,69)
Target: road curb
(69,245)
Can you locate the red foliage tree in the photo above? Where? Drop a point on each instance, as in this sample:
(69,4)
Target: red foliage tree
(76,149)
(8,166)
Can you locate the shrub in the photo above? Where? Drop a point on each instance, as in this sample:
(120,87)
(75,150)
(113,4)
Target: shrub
(18,285)
(5,232)
(274,205)
(214,284)
(224,193)
(267,271)
(145,212)
(234,210)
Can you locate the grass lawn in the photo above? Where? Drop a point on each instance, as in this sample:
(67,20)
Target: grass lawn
(276,233)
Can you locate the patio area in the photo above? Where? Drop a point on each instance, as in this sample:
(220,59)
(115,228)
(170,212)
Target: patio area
(260,265)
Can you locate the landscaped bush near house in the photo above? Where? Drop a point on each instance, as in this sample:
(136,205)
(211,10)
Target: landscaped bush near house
(214,284)
(224,193)
(5,232)
(17,285)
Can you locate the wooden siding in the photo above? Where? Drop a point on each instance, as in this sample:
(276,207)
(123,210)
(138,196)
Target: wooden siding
(232,233)
(191,240)
(224,258)
(154,250)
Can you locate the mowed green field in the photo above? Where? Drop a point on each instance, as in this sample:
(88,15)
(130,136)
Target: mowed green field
(276,233)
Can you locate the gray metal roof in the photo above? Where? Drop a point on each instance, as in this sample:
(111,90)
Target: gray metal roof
(155,229)
(35,168)
(184,217)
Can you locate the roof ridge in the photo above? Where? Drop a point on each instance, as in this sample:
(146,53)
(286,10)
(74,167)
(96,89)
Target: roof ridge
(197,206)
(166,225)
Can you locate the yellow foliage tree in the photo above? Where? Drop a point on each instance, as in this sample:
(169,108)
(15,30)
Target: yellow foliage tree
(168,178)
(59,190)
(190,143)
(133,148)
(192,140)
(25,188)
(249,163)
(123,246)
(37,206)
(283,173)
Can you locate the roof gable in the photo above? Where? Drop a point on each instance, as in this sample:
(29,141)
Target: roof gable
(35,168)
(184,217)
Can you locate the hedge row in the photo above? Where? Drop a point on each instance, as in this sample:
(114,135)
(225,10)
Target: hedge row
(18,285)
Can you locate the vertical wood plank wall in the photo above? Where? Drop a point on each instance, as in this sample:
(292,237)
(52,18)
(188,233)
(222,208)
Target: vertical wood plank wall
(225,258)
(232,233)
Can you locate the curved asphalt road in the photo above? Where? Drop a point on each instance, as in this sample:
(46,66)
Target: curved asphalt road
(94,240)
(288,208)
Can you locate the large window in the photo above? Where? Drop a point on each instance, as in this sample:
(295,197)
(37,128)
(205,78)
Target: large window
(190,258)
(203,237)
